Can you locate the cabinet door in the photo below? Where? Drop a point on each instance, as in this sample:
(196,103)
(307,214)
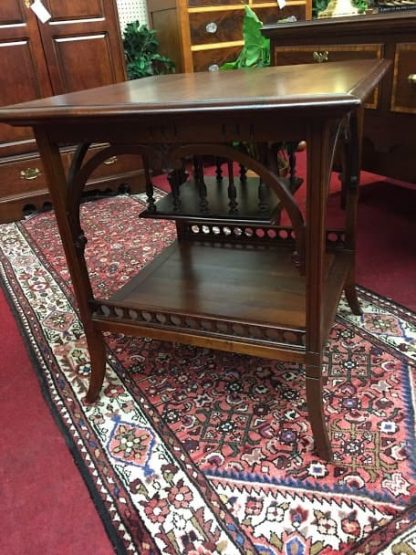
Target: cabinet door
(403,98)
(23,71)
(82,44)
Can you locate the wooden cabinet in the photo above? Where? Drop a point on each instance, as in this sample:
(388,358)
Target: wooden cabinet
(78,48)
(200,35)
(389,144)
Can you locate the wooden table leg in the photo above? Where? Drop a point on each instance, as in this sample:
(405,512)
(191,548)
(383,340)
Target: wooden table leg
(314,397)
(352,182)
(73,242)
(319,165)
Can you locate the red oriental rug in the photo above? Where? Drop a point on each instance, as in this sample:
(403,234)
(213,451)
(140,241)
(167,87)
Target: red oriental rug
(192,451)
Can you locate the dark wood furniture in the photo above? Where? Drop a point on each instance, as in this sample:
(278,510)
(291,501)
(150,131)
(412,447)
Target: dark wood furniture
(201,35)
(79,48)
(233,280)
(389,141)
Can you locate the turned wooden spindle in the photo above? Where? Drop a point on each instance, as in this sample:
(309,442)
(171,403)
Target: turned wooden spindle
(218,169)
(232,191)
(262,194)
(199,180)
(243,174)
(174,179)
(151,203)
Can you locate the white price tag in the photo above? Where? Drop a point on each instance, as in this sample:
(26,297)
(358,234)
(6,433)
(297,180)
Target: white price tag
(281,4)
(41,12)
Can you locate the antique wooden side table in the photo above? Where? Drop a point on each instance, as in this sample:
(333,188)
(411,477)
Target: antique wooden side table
(234,279)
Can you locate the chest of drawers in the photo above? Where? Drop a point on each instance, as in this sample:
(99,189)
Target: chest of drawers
(201,35)
(389,144)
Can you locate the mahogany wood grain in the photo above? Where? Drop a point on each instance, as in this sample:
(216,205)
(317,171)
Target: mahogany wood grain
(251,297)
(201,35)
(80,47)
(87,31)
(333,88)
(23,70)
(389,140)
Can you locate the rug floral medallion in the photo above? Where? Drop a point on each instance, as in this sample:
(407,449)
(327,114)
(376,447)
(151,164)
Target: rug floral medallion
(199,452)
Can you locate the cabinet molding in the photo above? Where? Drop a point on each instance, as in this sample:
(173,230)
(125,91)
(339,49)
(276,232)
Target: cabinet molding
(79,47)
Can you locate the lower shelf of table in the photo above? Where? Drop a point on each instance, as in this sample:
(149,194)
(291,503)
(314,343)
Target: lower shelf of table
(239,294)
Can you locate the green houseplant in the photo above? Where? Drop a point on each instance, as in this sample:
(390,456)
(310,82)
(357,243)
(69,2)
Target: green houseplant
(256,53)
(256,49)
(141,48)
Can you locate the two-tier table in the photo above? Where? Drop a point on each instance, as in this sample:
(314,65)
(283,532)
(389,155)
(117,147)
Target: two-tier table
(234,279)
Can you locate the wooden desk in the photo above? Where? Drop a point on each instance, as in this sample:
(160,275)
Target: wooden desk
(233,280)
(389,138)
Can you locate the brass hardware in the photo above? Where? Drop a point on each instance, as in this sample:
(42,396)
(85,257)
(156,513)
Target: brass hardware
(321,56)
(412,78)
(30,173)
(111,160)
(28,3)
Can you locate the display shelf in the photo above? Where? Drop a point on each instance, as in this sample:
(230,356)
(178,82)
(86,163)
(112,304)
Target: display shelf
(252,207)
(226,290)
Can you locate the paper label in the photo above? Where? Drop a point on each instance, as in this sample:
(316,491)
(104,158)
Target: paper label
(41,12)
(281,4)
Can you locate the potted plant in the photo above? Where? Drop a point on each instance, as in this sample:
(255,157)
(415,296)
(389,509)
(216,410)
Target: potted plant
(141,48)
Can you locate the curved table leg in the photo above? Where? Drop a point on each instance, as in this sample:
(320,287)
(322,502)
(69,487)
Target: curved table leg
(314,397)
(350,290)
(351,186)
(97,350)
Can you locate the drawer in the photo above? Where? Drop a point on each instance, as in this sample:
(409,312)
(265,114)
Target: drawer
(21,177)
(113,166)
(290,55)
(210,27)
(210,60)
(403,98)
(216,26)
(273,14)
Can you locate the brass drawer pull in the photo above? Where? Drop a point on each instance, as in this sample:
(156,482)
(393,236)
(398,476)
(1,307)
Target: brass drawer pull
(111,160)
(30,173)
(412,78)
(28,3)
(321,56)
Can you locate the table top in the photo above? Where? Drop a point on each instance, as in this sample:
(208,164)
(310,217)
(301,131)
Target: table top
(335,85)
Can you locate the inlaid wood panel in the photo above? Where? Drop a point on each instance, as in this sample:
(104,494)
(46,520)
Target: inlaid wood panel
(389,142)
(404,80)
(321,53)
